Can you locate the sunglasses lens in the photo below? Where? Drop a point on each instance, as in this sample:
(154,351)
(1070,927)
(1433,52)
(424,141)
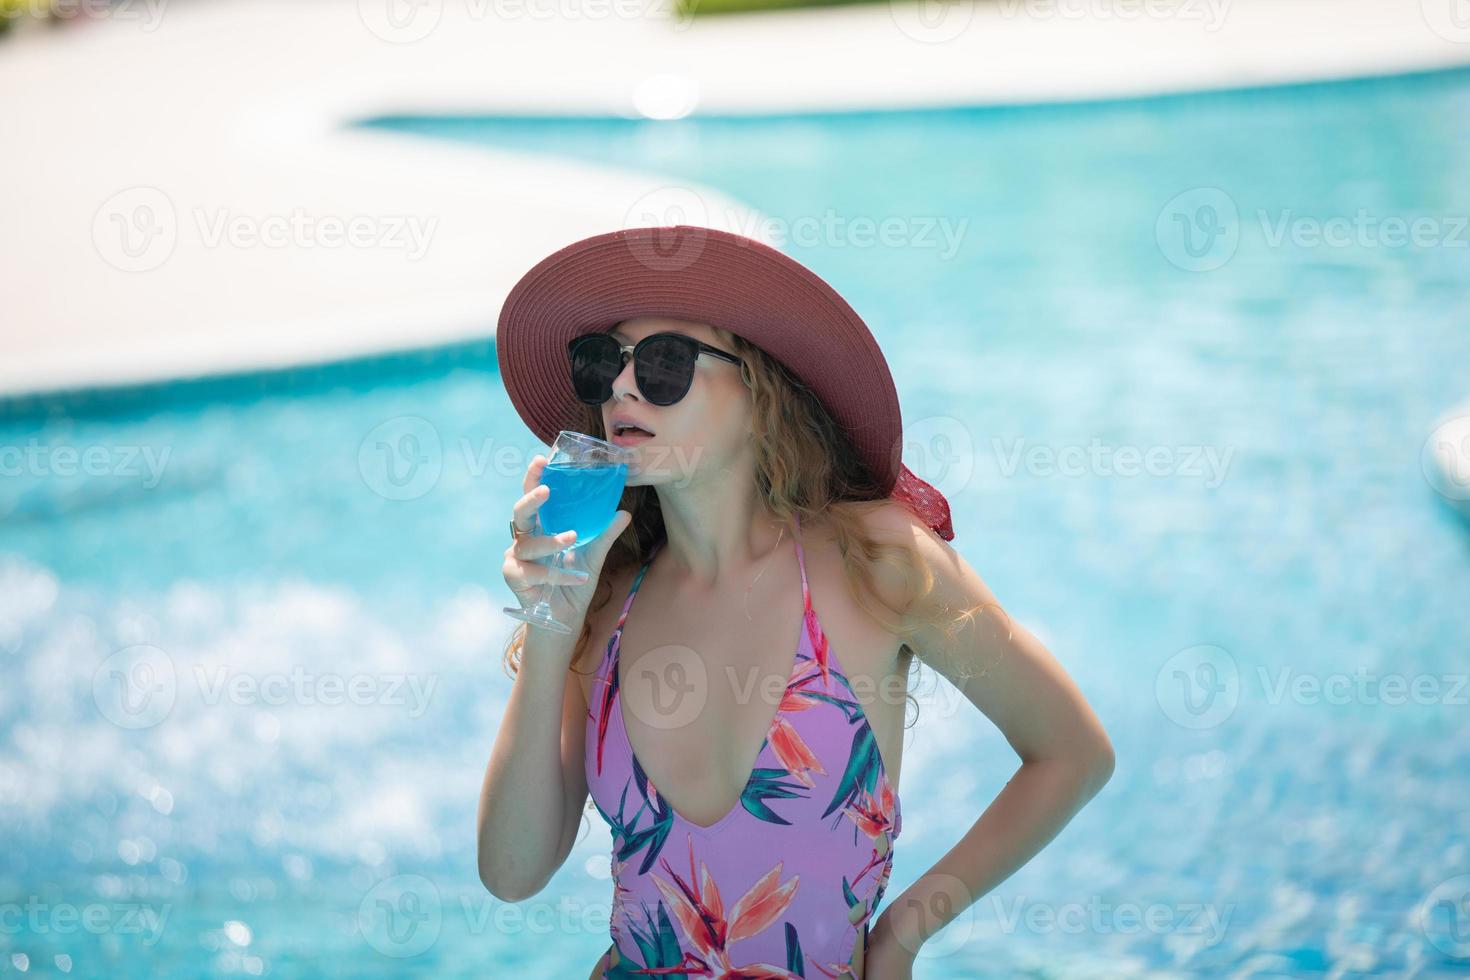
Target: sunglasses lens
(664,368)
(596,362)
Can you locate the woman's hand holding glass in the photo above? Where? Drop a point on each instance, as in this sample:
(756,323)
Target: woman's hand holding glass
(531,570)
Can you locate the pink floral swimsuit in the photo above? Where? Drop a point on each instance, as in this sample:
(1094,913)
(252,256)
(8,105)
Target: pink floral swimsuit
(780,885)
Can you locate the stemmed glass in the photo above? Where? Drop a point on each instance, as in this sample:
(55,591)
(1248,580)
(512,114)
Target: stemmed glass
(586,476)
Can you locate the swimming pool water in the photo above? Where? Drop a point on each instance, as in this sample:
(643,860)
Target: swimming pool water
(303,565)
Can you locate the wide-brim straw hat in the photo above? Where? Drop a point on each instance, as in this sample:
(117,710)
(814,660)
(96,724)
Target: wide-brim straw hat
(712,276)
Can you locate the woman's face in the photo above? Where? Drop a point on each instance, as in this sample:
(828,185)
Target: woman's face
(705,431)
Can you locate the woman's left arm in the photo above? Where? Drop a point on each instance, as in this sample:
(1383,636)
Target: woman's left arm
(1006,672)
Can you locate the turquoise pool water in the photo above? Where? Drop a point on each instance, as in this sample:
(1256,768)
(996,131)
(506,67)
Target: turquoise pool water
(253,645)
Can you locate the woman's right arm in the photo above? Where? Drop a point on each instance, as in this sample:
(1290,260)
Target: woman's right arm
(535,785)
(528,821)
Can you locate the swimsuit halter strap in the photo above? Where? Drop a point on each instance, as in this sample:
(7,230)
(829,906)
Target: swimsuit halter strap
(800,557)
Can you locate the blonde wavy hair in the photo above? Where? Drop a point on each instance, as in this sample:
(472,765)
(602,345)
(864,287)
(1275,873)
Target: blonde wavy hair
(805,466)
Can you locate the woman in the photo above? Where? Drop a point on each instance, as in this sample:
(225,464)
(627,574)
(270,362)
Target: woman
(741,734)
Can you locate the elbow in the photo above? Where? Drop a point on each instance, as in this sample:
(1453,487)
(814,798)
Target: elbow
(505,890)
(504,884)
(1098,766)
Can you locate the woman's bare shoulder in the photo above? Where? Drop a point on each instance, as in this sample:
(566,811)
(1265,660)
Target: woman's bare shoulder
(892,525)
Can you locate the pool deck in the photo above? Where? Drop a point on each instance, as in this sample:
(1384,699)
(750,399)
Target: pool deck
(179,188)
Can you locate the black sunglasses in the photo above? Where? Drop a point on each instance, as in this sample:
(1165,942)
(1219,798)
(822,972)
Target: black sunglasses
(663,365)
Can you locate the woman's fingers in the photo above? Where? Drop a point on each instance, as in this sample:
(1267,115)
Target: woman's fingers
(535,546)
(523,575)
(533,472)
(533,496)
(524,511)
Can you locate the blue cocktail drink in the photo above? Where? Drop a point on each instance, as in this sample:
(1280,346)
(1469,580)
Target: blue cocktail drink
(583,498)
(586,476)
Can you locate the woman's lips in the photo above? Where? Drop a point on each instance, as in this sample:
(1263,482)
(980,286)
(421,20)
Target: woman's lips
(630,438)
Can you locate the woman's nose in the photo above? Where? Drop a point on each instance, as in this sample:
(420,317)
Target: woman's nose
(625,383)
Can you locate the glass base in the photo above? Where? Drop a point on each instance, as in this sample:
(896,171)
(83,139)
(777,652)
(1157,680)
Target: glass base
(537,617)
